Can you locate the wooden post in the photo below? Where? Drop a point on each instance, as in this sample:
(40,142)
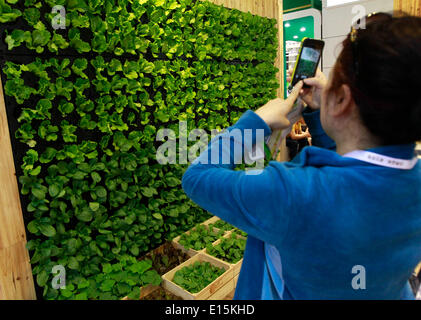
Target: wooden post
(16,281)
(412,7)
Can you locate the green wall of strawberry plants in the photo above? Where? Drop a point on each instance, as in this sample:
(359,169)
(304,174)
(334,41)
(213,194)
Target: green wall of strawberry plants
(84,105)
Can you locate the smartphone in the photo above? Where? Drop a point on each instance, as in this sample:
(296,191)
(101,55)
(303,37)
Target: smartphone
(307,61)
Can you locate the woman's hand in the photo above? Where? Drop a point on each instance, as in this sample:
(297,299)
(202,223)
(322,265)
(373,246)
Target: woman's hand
(313,96)
(275,112)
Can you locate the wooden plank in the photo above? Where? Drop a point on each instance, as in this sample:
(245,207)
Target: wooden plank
(411,7)
(224,291)
(16,281)
(230,296)
(236,279)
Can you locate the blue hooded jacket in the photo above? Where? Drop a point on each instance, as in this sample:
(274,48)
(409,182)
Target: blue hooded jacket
(325,214)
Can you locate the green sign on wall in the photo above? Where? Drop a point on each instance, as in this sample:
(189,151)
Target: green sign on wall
(295,5)
(296,30)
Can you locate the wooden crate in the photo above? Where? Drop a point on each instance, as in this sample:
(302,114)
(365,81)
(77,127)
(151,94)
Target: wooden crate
(236,280)
(224,291)
(214,220)
(225,281)
(218,290)
(192,252)
(236,267)
(210,221)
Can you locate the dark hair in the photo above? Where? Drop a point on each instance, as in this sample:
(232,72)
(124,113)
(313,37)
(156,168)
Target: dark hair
(382,66)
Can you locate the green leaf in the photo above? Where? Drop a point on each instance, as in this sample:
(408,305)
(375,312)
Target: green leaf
(48,155)
(42,278)
(151,277)
(95,177)
(148,191)
(73,263)
(84,215)
(107,285)
(54,190)
(134,294)
(47,230)
(101,192)
(94,206)
(157,216)
(31,15)
(81,296)
(16,38)
(32,226)
(38,193)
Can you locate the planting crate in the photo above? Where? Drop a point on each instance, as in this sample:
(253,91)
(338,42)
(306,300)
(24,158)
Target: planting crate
(192,252)
(218,289)
(210,221)
(212,291)
(235,267)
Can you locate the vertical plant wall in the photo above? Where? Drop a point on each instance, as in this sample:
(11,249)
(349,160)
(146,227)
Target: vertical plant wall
(84,105)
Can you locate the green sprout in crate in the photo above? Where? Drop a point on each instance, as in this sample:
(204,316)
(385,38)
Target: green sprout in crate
(194,278)
(222,225)
(200,237)
(229,249)
(239,232)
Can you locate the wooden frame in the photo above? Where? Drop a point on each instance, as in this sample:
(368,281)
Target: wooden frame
(16,281)
(236,267)
(412,7)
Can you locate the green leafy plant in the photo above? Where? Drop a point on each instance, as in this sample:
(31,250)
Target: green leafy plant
(229,249)
(32,15)
(194,278)
(7,14)
(222,225)
(199,237)
(124,278)
(239,232)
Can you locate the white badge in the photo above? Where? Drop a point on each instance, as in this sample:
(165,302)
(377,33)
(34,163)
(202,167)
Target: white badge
(381,160)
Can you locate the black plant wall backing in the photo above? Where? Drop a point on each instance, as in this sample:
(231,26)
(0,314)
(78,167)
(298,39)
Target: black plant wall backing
(84,105)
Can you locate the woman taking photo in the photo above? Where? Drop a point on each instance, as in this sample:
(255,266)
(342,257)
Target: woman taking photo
(353,229)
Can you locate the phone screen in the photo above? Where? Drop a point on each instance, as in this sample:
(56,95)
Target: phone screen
(308,60)
(308,64)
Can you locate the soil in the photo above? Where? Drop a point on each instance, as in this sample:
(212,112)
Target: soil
(165,258)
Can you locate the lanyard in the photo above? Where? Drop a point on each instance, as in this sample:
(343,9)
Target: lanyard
(381,160)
